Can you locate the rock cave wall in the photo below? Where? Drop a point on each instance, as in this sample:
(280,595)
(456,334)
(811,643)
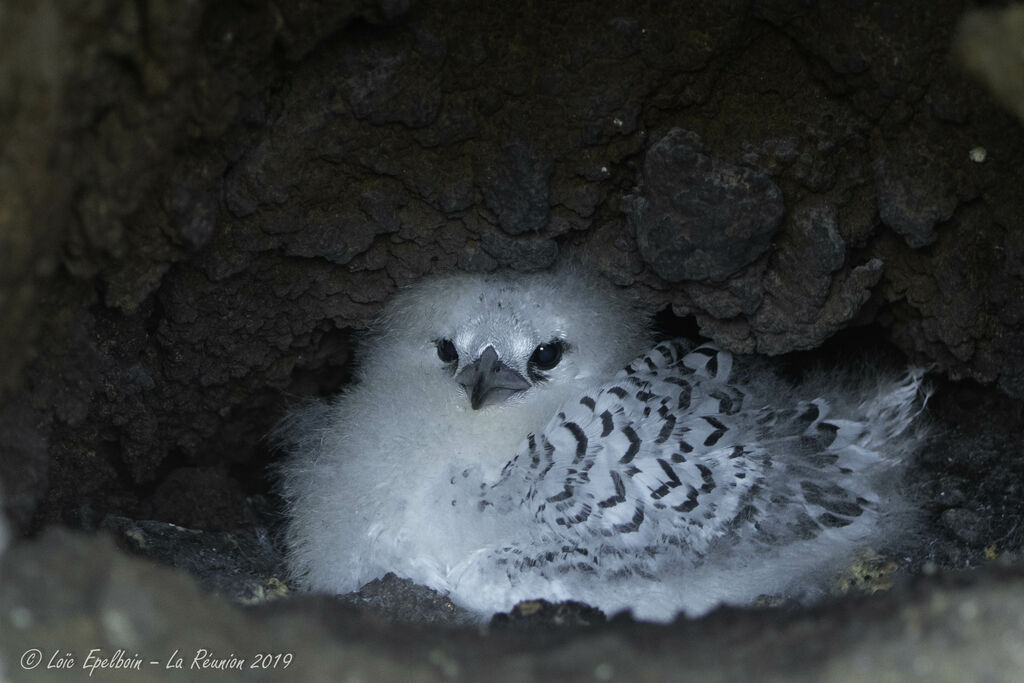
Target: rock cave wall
(204,200)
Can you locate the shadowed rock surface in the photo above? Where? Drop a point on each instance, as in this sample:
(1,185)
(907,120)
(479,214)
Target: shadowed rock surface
(82,593)
(699,218)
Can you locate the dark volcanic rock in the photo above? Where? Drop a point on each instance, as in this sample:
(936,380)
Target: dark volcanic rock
(914,194)
(242,566)
(966,525)
(403,602)
(515,187)
(698,217)
(534,616)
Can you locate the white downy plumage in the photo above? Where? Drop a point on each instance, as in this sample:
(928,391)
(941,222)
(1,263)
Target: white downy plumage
(494,448)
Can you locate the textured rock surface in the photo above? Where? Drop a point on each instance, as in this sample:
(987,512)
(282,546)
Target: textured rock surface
(84,594)
(243,566)
(700,218)
(914,194)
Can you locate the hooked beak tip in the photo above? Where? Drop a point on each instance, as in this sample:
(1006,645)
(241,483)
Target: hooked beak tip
(488,381)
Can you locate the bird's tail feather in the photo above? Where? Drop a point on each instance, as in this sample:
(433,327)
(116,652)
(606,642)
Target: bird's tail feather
(896,406)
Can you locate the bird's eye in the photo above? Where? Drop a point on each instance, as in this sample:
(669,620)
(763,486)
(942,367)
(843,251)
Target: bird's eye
(547,356)
(446,351)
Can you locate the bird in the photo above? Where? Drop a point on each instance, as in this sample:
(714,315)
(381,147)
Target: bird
(511,437)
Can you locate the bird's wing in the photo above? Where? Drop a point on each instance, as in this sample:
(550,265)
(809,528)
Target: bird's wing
(653,458)
(670,454)
(672,464)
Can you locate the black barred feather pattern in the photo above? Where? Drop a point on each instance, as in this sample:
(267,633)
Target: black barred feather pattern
(640,471)
(666,462)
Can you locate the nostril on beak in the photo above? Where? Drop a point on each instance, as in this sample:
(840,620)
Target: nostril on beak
(488,380)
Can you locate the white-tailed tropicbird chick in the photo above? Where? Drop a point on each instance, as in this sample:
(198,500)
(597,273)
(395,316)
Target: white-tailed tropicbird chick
(494,448)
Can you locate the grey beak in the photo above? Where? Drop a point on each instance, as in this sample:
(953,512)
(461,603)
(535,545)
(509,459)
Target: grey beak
(488,380)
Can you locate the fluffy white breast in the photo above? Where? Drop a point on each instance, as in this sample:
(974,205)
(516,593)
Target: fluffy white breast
(371,478)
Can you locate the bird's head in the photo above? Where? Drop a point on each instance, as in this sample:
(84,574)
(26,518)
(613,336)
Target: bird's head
(499,339)
(502,358)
